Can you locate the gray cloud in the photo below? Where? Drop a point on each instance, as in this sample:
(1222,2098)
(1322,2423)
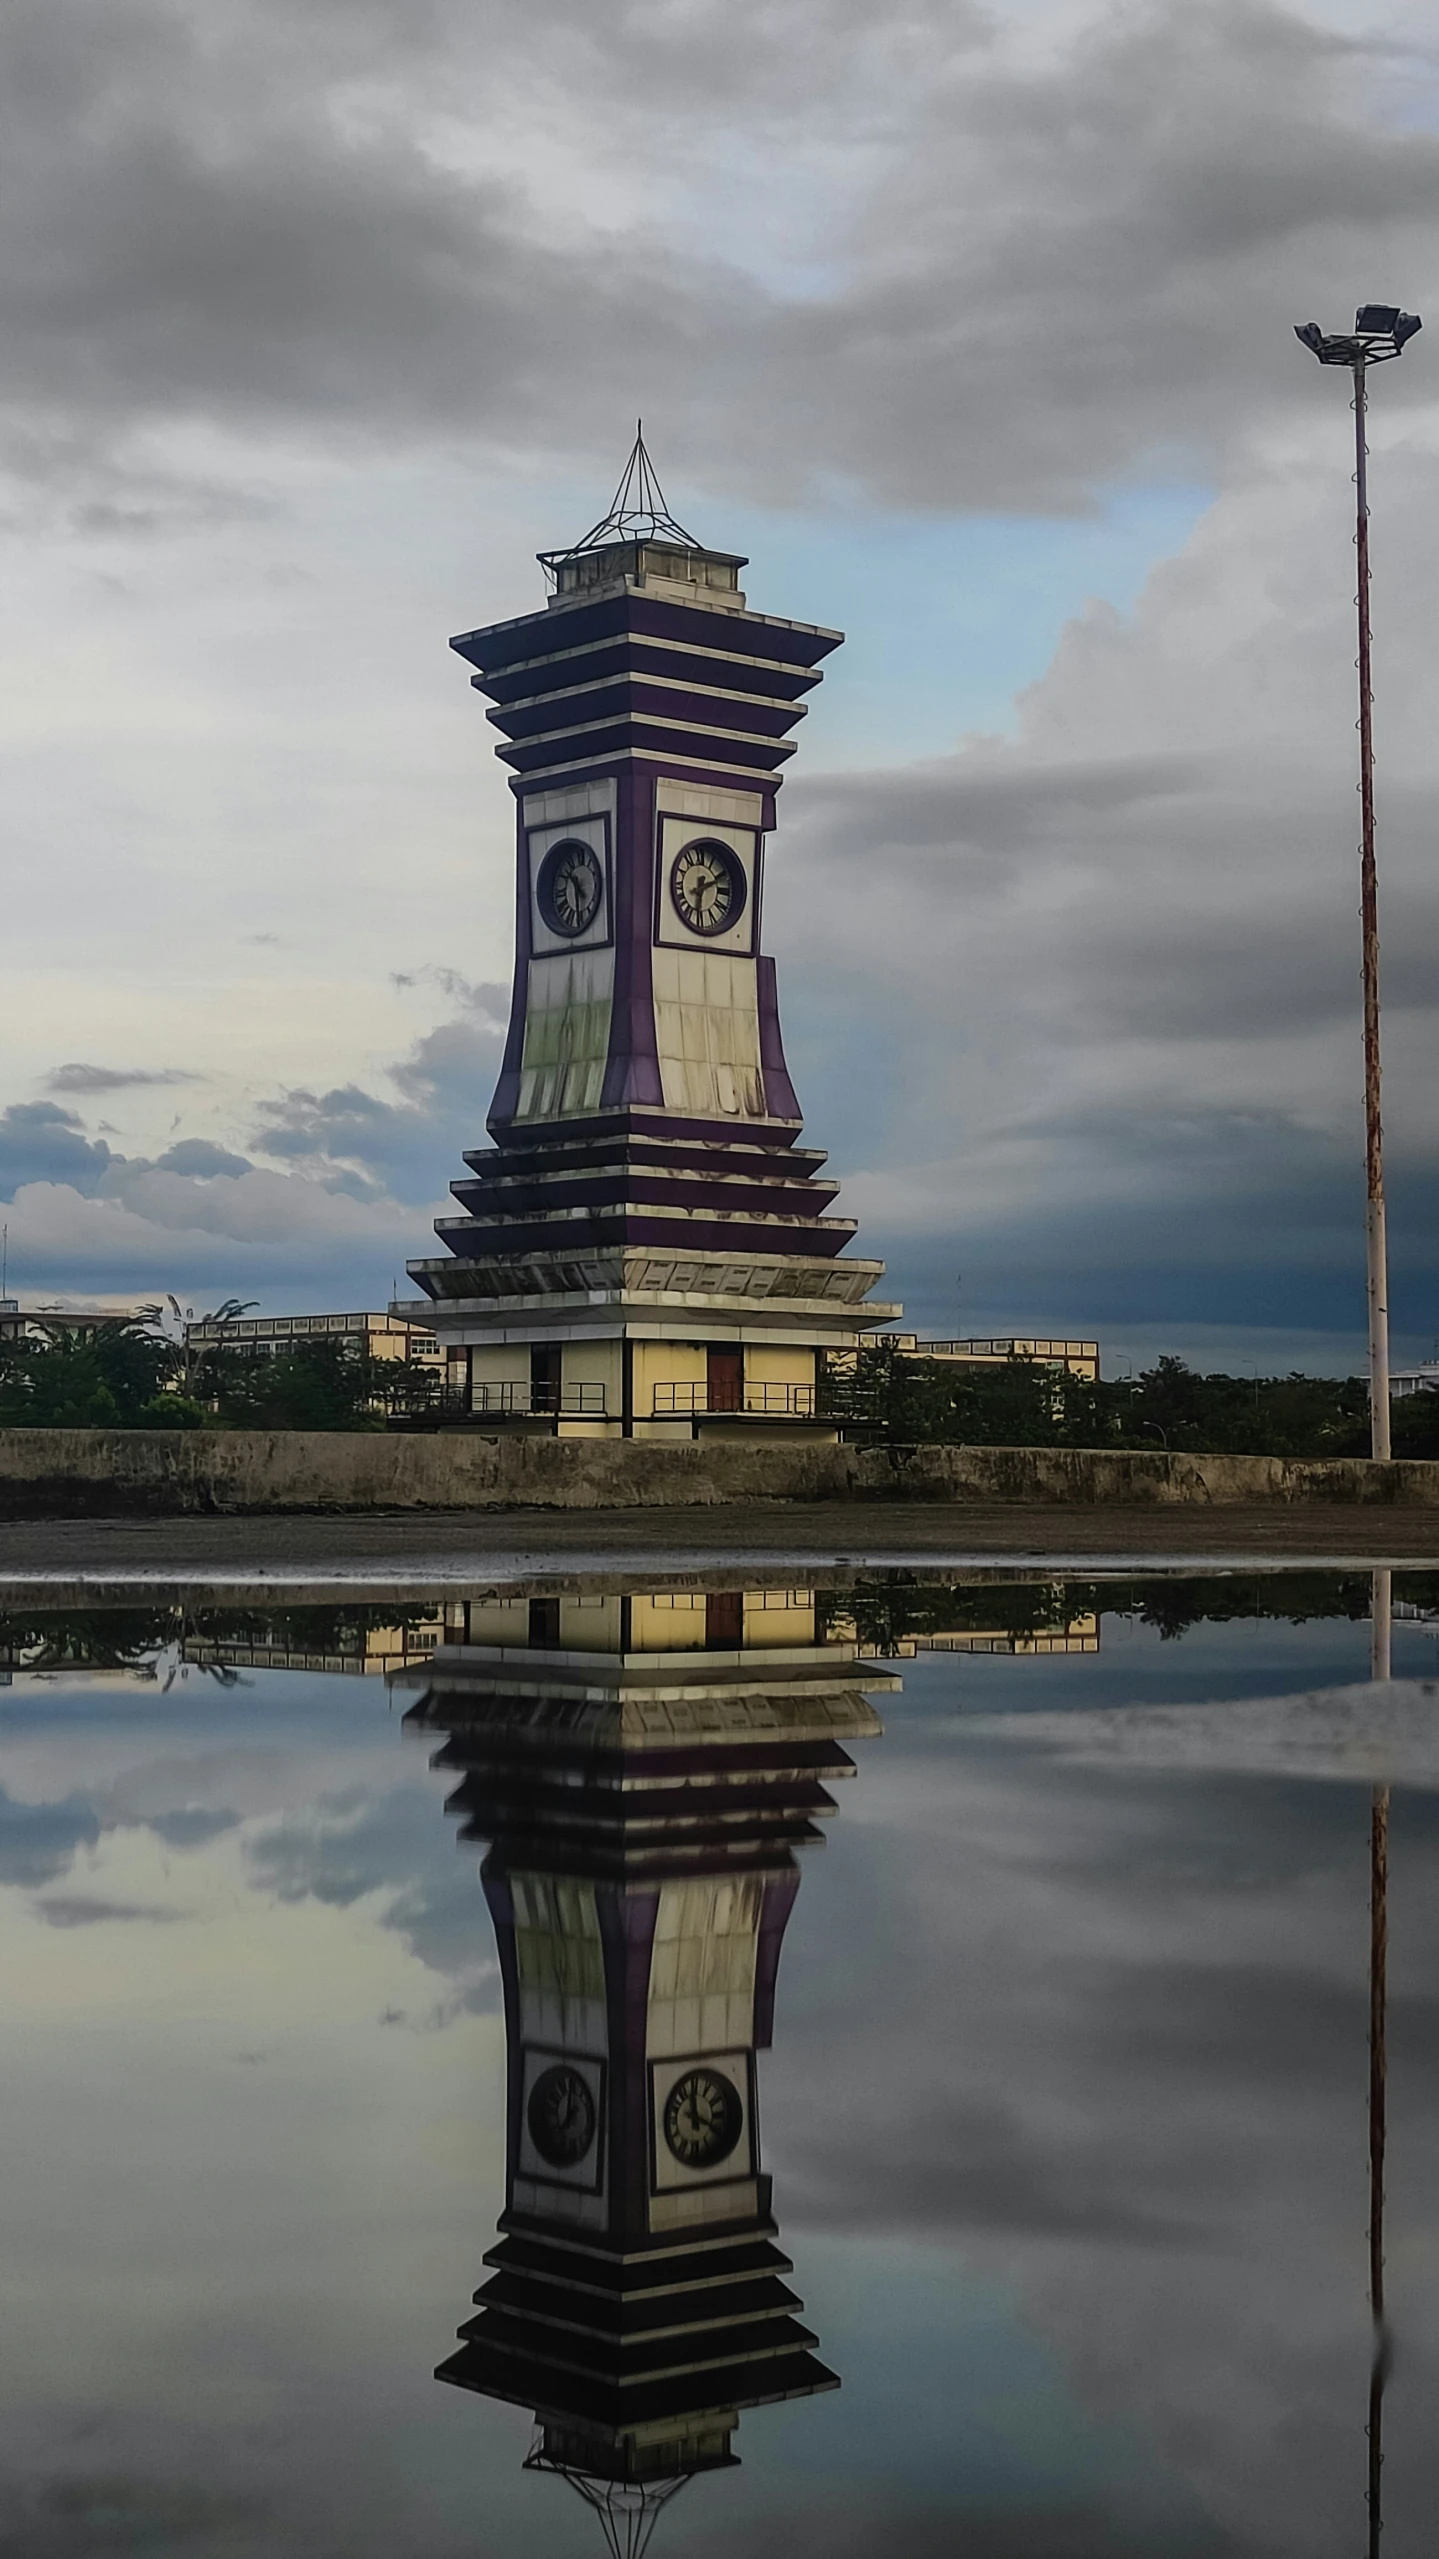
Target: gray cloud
(286,221)
(1085,1012)
(949,263)
(202,1161)
(79,1078)
(40,1142)
(414,1147)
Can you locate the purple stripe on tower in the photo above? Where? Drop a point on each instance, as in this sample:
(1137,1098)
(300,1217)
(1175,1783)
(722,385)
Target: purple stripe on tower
(506,1099)
(780,1098)
(502,1911)
(627,1928)
(632,1070)
(779,1901)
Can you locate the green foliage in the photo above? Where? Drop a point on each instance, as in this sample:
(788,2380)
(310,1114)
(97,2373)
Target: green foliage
(1414,1425)
(317,1386)
(135,1377)
(885,1612)
(172,1412)
(1024,1404)
(84,1381)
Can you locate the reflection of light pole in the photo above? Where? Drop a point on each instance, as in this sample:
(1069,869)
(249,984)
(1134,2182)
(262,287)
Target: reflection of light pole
(1381,1612)
(1380,333)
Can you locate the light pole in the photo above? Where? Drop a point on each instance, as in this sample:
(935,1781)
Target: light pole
(1381,332)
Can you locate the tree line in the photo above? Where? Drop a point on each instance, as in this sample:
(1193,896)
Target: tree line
(1020,1403)
(136,1376)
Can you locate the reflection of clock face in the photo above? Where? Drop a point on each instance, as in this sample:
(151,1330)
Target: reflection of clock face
(561,2116)
(703,2118)
(569,887)
(708,887)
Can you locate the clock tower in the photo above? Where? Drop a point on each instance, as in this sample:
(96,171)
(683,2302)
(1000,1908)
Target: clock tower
(646,1249)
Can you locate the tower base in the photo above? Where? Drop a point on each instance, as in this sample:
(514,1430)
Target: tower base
(647,1343)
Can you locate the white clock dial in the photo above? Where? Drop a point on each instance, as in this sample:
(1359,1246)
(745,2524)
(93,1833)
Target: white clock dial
(707,887)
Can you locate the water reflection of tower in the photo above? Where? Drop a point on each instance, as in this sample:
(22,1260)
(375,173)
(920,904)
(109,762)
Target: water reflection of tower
(644,1769)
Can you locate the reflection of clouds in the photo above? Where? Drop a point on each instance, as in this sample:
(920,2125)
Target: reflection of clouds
(190,1826)
(321,1820)
(102,2511)
(352,1844)
(1384,1734)
(1105,2037)
(862,2526)
(232,2198)
(1089,2041)
(38,1841)
(83,1910)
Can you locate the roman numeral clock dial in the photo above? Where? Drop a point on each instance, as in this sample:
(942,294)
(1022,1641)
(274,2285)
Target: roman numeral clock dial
(569,888)
(703,2119)
(707,887)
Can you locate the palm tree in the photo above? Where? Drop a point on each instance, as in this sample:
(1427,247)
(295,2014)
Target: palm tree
(193,1355)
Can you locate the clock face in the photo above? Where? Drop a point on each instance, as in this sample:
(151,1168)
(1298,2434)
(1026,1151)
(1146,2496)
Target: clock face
(569,887)
(703,2118)
(707,886)
(561,2116)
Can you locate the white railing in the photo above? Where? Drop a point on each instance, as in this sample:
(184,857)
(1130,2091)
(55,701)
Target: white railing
(681,1396)
(585,1402)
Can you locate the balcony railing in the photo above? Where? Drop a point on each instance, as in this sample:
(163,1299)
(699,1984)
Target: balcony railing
(673,1396)
(583,1402)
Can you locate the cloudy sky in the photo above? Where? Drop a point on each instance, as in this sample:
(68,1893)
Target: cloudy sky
(971,325)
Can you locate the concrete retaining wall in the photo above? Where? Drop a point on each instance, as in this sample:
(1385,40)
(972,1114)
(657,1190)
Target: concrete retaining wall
(51,1474)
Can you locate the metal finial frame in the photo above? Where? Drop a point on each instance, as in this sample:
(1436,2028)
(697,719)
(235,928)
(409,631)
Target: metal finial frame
(637,512)
(628,2510)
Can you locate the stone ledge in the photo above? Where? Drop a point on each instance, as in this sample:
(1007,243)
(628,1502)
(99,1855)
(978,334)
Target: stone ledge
(48,1474)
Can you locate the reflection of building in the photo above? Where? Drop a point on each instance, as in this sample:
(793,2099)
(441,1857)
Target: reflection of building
(1054,1626)
(645,1250)
(644,1769)
(1080,1635)
(353,1648)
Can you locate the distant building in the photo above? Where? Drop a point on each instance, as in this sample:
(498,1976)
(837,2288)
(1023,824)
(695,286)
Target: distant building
(1081,1359)
(42,1323)
(267,1336)
(1423,1380)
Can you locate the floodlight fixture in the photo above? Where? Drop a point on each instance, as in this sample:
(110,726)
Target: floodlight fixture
(1381,332)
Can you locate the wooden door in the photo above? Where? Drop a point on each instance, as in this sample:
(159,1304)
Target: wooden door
(724,1619)
(725,1383)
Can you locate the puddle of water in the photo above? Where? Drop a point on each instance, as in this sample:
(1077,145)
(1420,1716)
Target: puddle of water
(928,2064)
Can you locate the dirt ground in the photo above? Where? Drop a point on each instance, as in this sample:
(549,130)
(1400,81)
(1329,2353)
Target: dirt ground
(397,1550)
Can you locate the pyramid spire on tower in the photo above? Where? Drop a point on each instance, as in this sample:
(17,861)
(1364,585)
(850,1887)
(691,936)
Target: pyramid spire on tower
(637,512)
